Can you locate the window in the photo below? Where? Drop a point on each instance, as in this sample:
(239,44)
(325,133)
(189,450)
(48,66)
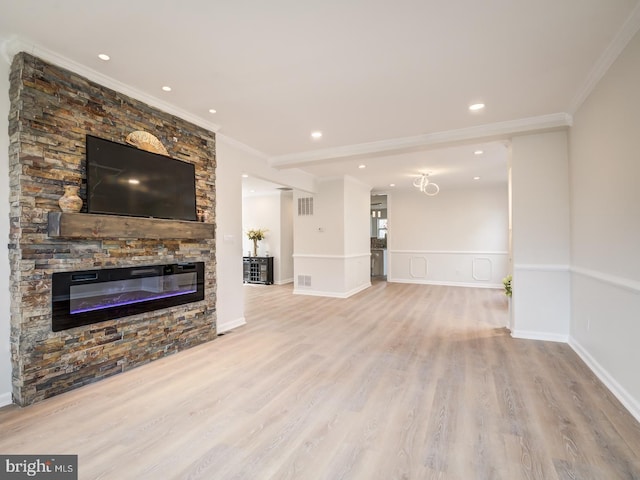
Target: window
(382,227)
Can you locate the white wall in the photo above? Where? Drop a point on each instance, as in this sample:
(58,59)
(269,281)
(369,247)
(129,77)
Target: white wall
(357,242)
(336,266)
(262,211)
(233,159)
(5,300)
(541,242)
(286,237)
(274,213)
(324,233)
(458,237)
(230,295)
(605,224)
(357,216)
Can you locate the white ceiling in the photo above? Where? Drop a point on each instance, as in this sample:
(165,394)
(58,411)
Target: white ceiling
(364,72)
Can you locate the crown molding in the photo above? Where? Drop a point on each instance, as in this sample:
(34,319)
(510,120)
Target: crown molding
(628,30)
(491,130)
(15,45)
(5,52)
(232,142)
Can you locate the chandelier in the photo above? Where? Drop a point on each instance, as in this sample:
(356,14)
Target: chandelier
(423,184)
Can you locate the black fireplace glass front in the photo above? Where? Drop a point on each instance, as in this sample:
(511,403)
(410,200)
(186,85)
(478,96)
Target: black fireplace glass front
(91,296)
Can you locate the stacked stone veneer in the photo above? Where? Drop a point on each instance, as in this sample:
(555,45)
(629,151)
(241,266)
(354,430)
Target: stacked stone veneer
(52,110)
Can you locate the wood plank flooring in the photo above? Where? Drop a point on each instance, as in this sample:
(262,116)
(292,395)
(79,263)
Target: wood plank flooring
(398,382)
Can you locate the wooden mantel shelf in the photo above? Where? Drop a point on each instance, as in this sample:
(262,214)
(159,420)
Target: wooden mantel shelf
(86,225)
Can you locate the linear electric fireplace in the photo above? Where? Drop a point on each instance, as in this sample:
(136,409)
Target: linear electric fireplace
(91,296)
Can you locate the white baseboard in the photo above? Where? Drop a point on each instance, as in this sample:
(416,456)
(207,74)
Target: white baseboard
(320,293)
(446,284)
(284,282)
(6,399)
(614,387)
(230,325)
(359,289)
(545,336)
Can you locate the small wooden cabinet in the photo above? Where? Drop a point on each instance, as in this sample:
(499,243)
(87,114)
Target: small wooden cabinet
(258,270)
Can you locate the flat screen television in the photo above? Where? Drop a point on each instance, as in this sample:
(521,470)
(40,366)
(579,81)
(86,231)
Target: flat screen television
(124,180)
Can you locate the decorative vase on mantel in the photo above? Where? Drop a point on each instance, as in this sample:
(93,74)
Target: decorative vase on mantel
(70,202)
(255,247)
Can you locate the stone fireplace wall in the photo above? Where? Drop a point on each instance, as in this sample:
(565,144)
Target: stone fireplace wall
(52,110)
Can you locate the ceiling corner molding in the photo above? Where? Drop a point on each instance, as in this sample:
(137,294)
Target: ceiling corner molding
(628,30)
(16,45)
(7,46)
(232,142)
(498,130)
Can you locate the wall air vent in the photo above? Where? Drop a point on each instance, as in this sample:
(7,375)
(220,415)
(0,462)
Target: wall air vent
(304,280)
(305,206)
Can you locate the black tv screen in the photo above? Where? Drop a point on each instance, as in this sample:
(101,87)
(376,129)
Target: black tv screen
(124,180)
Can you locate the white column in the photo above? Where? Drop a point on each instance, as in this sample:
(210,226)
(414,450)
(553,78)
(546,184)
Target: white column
(331,246)
(541,236)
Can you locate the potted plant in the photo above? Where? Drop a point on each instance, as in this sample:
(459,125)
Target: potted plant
(506,281)
(256,234)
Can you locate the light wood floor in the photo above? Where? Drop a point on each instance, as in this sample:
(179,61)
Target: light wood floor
(397,382)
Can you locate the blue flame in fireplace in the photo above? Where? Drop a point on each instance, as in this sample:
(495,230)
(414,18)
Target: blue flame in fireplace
(120,303)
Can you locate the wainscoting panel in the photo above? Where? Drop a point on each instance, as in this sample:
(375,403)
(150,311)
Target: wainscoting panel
(458,268)
(419,267)
(540,302)
(481,269)
(337,276)
(605,331)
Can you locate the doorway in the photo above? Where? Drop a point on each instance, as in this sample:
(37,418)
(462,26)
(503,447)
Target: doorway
(379,235)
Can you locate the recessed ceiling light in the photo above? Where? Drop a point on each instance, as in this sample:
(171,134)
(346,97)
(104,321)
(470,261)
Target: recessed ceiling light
(212,110)
(134,181)
(244,175)
(392,184)
(476,107)
(252,191)
(166,88)
(104,56)
(316,135)
(361,166)
(476,178)
(478,152)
